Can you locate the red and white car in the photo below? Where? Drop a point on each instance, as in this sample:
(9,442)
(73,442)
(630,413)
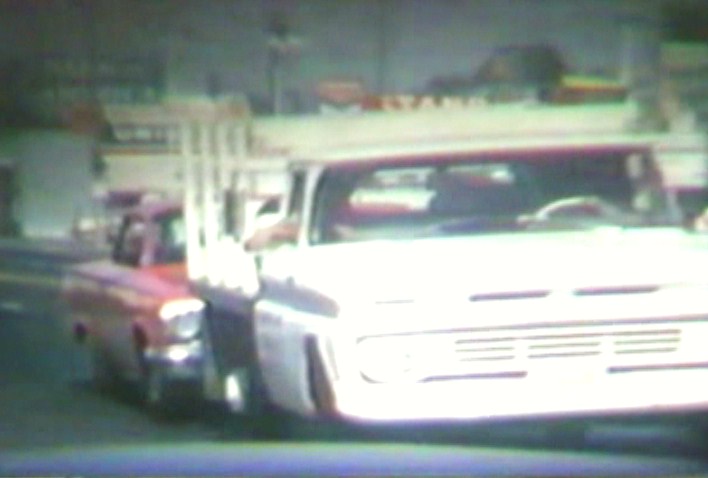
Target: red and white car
(135,310)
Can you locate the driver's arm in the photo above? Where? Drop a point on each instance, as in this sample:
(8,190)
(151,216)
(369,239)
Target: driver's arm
(281,233)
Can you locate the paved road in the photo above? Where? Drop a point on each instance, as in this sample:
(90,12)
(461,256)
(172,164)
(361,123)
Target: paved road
(48,410)
(46,399)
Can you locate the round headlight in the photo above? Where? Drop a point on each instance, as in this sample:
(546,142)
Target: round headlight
(385,361)
(186,326)
(183,318)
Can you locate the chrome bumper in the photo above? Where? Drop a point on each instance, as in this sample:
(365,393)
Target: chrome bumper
(645,392)
(180,361)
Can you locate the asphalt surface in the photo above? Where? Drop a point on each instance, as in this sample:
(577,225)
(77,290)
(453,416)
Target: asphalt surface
(53,421)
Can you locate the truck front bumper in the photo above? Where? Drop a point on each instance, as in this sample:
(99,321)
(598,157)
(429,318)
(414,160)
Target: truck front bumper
(478,399)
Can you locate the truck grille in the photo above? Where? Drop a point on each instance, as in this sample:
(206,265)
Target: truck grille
(514,352)
(533,345)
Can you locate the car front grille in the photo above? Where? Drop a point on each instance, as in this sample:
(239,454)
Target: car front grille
(550,344)
(515,352)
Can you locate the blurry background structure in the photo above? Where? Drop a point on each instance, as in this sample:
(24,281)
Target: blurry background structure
(61,60)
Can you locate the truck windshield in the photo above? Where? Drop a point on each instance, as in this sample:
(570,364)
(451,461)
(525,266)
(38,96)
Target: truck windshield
(504,193)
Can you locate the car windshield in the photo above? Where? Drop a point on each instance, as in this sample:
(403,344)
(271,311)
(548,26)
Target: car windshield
(501,193)
(172,243)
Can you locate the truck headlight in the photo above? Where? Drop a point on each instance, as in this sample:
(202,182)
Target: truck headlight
(183,317)
(385,361)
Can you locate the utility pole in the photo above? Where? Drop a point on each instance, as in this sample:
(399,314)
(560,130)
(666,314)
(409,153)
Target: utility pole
(281,45)
(640,64)
(91,37)
(382,63)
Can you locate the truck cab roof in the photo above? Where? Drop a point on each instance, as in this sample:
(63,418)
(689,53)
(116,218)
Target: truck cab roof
(412,152)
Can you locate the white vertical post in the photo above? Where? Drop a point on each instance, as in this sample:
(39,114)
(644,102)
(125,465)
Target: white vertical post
(203,139)
(206,130)
(240,151)
(192,217)
(240,141)
(223,171)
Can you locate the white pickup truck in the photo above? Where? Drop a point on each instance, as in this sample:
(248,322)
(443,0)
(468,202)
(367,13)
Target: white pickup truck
(465,282)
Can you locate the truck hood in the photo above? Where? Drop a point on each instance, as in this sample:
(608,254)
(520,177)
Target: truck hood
(462,267)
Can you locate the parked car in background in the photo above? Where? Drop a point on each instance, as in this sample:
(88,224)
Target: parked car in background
(135,313)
